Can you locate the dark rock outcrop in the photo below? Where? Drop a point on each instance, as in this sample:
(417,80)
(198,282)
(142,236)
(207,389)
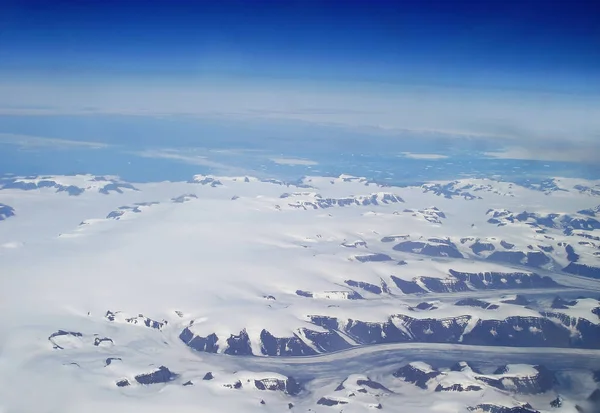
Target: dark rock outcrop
(184,198)
(519,332)
(413,374)
(207,344)
(98,341)
(289,386)
(162,375)
(373,385)
(458,388)
(479,247)
(109,360)
(501,281)
(239,344)
(372,288)
(496,408)
(283,346)
(562,304)
(541,382)
(326,401)
(373,258)
(507,245)
(582,270)
(518,300)
(60,333)
(429,249)
(407,287)
(530,259)
(473,302)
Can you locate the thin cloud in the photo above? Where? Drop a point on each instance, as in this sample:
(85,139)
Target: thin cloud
(577,154)
(293,161)
(28,141)
(190,158)
(430,156)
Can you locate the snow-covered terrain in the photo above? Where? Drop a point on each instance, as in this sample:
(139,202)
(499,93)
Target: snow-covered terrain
(469,295)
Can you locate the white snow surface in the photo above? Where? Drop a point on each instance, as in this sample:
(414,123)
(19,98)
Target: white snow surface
(213,260)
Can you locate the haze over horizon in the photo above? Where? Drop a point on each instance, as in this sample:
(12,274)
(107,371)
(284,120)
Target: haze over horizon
(525,72)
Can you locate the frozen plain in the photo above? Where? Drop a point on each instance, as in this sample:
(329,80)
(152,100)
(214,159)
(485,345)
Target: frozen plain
(233,257)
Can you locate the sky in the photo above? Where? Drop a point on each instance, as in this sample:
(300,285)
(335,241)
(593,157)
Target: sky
(526,71)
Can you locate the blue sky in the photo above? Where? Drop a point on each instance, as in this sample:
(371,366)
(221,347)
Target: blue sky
(528,44)
(526,71)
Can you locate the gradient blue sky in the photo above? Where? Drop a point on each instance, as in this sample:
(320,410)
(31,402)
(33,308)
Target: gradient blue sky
(517,69)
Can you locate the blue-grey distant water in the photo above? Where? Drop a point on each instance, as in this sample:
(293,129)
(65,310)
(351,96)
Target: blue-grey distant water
(142,149)
(380,167)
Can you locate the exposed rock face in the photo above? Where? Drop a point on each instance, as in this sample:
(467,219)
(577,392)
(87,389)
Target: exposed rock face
(520,332)
(373,258)
(393,238)
(556,403)
(559,303)
(283,346)
(591,212)
(326,401)
(583,270)
(55,338)
(464,281)
(451,189)
(99,341)
(184,198)
(139,319)
(418,374)
(479,247)
(106,187)
(432,215)
(373,385)
(536,221)
(549,329)
(583,333)
(501,281)
(206,180)
(239,344)
(518,300)
(496,408)
(507,245)
(109,360)
(458,388)
(317,202)
(530,259)
(208,343)
(372,288)
(162,375)
(464,366)
(289,386)
(431,249)
(331,295)
(236,385)
(541,381)
(270,345)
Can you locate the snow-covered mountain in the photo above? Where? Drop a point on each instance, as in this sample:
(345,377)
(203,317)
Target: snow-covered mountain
(6,211)
(71,184)
(351,295)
